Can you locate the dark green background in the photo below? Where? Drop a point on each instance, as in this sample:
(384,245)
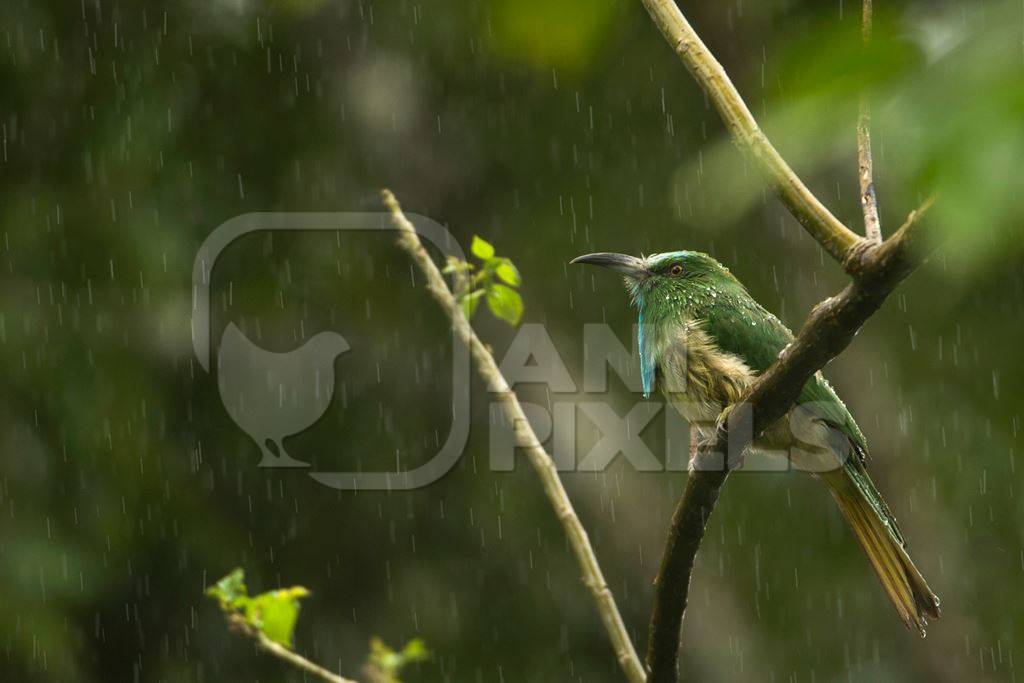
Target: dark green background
(552,128)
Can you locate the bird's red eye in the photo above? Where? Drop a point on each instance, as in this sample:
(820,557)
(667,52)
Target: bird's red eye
(675,270)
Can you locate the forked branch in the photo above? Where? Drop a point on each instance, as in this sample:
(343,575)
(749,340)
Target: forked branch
(876,268)
(828,330)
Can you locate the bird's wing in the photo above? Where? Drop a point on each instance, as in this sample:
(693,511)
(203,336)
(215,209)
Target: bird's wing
(742,327)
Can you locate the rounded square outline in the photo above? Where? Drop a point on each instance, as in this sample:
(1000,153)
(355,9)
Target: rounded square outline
(332,221)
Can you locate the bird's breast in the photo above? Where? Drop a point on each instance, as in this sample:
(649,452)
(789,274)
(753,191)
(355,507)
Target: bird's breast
(697,376)
(700,380)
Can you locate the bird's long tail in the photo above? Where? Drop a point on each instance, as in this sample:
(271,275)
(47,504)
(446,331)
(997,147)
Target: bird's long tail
(876,530)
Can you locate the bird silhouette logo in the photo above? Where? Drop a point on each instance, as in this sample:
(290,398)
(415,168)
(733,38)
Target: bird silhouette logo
(272,396)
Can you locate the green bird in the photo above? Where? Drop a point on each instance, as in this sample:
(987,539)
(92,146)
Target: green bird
(702,340)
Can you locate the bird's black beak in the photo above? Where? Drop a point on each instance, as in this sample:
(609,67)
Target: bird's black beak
(630,266)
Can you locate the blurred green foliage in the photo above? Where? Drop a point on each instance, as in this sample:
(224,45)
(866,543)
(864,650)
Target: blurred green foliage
(550,35)
(130,131)
(385,665)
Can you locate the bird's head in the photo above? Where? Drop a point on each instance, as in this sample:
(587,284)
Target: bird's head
(666,288)
(666,282)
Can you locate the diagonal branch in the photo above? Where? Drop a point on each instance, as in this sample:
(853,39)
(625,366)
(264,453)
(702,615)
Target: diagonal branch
(672,585)
(834,322)
(830,232)
(527,440)
(865,164)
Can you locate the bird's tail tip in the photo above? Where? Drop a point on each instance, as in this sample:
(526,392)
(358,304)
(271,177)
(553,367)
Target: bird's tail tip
(902,582)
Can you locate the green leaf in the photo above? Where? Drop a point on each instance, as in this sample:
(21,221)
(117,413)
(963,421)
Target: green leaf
(505,303)
(469,303)
(508,273)
(415,651)
(482,249)
(275,613)
(230,590)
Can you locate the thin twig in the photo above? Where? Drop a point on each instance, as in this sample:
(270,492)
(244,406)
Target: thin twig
(527,440)
(915,215)
(865,164)
(237,623)
(828,230)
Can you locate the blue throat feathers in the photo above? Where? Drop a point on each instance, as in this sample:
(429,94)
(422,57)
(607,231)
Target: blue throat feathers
(647,359)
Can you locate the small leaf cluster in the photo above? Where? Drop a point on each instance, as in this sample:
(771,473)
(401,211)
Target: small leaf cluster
(273,613)
(384,664)
(494,280)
